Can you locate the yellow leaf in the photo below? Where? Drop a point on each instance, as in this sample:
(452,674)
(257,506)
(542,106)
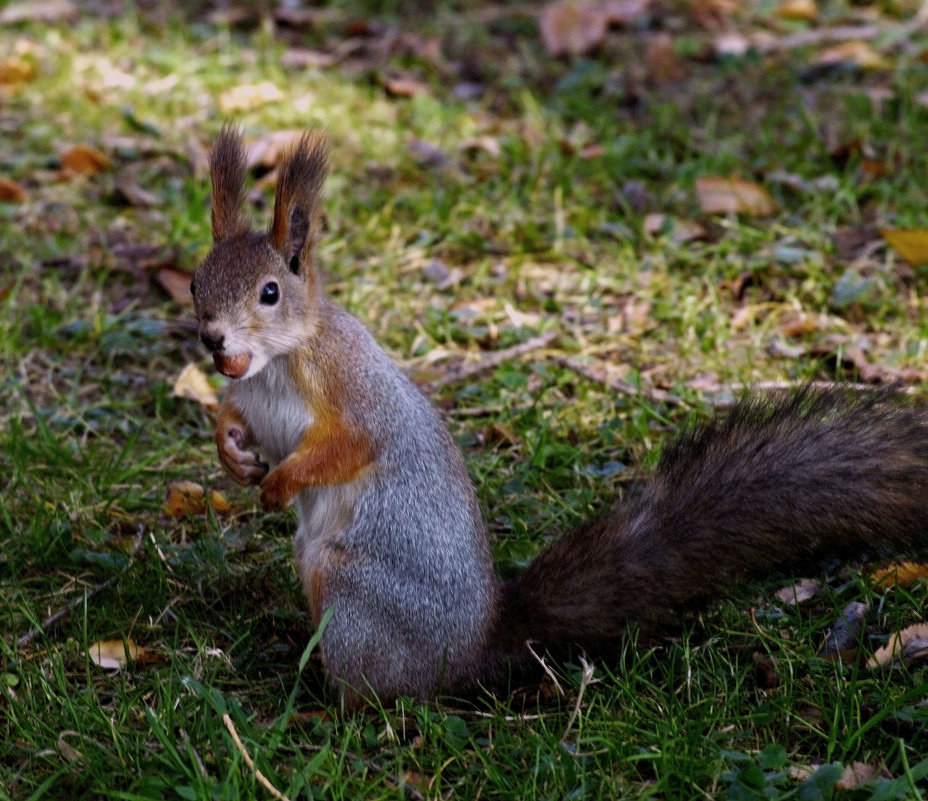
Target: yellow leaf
(111,654)
(903,574)
(910,243)
(248,96)
(85,160)
(719,195)
(15,70)
(193,384)
(189,498)
(858,53)
(806,10)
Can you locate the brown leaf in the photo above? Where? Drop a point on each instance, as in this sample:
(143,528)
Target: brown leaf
(38,11)
(128,187)
(677,229)
(844,635)
(621,12)
(663,63)
(915,649)
(857,53)
(719,195)
(193,384)
(765,670)
(112,654)
(799,591)
(176,283)
(856,774)
(489,144)
(15,70)
(871,373)
(851,241)
(902,574)
(268,151)
(11,192)
(897,644)
(402,84)
(189,498)
(573,27)
(84,160)
(246,97)
(910,243)
(805,10)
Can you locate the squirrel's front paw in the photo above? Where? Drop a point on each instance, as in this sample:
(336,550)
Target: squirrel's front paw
(275,495)
(244,466)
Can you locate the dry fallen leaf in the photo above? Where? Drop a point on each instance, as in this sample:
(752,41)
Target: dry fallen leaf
(805,10)
(910,243)
(897,645)
(15,70)
(85,160)
(489,144)
(719,195)
(799,591)
(856,774)
(189,498)
(663,63)
(267,151)
(112,654)
(38,11)
(11,192)
(402,84)
(678,230)
(573,27)
(844,635)
(193,384)
(870,373)
(902,574)
(858,53)
(249,96)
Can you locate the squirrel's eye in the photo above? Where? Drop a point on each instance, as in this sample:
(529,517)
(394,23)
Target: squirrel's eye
(270,293)
(193,287)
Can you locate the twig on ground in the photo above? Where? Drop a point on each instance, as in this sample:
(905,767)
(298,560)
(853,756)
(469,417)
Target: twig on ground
(262,779)
(585,681)
(53,618)
(545,668)
(845,33)
(623,387)
(492,360)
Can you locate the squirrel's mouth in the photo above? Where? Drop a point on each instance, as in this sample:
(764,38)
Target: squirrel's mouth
(232,366)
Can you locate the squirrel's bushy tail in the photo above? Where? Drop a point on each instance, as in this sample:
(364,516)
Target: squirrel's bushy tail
(777,482)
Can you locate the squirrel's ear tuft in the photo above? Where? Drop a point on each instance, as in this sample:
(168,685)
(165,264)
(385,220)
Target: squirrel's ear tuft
(296,203)
(227,169)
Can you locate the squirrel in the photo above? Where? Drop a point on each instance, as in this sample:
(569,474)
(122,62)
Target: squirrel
(390,534)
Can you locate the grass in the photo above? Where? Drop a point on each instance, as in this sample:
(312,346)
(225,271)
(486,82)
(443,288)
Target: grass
(541,234)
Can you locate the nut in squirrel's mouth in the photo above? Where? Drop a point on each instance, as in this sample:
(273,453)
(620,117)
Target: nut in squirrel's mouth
(232,366)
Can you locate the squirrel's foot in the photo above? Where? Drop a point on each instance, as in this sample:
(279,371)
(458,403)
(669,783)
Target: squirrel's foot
(244,466)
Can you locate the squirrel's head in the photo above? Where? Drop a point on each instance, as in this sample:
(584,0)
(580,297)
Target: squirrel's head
(257,294)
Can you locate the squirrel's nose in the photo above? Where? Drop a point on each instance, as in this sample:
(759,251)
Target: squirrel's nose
(212,345)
